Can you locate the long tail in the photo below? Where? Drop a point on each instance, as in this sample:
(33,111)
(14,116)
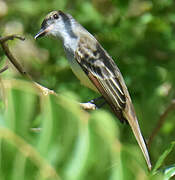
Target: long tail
(132,120)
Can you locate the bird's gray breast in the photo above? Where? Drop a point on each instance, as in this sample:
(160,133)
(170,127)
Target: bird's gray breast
(77,69)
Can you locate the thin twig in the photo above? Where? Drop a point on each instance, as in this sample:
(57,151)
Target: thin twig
(161,121)
(4,69)
(35,129)
(7,52)
(11,37)
(17,65)
(88,106)
(13,60)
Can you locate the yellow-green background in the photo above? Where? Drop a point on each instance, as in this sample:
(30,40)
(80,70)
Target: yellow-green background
(76,145)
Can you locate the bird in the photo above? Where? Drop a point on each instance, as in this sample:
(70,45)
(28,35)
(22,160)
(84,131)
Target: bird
(95,68)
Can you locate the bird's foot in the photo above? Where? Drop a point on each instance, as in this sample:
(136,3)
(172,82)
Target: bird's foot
(98,102)
(88,106)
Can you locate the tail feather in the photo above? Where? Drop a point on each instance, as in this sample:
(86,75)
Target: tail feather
(132,120)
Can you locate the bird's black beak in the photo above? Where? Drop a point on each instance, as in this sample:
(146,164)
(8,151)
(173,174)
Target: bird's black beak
(41,33)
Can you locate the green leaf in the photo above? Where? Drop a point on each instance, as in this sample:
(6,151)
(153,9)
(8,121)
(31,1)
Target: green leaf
(79,158)
(46,126)
(104,125)
(169,172)
(20,110)
(162,157)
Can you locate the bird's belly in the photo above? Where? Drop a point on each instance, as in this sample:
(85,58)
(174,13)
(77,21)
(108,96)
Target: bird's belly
(80,74)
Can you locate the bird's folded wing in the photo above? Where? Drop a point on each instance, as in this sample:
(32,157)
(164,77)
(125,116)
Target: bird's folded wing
(104,74)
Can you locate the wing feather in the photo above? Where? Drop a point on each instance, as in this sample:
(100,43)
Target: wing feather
(101,71)
(105,75)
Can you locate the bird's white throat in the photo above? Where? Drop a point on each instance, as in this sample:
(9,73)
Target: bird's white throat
(70,43)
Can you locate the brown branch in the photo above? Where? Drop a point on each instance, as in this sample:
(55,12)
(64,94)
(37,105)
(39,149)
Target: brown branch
(17,65)
(9,54)
(161,121)
(88,106)
(4,69)
(11,37)
(12,59)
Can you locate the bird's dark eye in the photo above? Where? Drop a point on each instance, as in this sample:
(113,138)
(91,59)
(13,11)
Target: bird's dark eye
(55,16)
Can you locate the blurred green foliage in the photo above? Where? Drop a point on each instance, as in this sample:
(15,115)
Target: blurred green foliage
(73,144)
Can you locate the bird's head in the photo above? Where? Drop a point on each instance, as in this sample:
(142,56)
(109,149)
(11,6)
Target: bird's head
(56,23)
